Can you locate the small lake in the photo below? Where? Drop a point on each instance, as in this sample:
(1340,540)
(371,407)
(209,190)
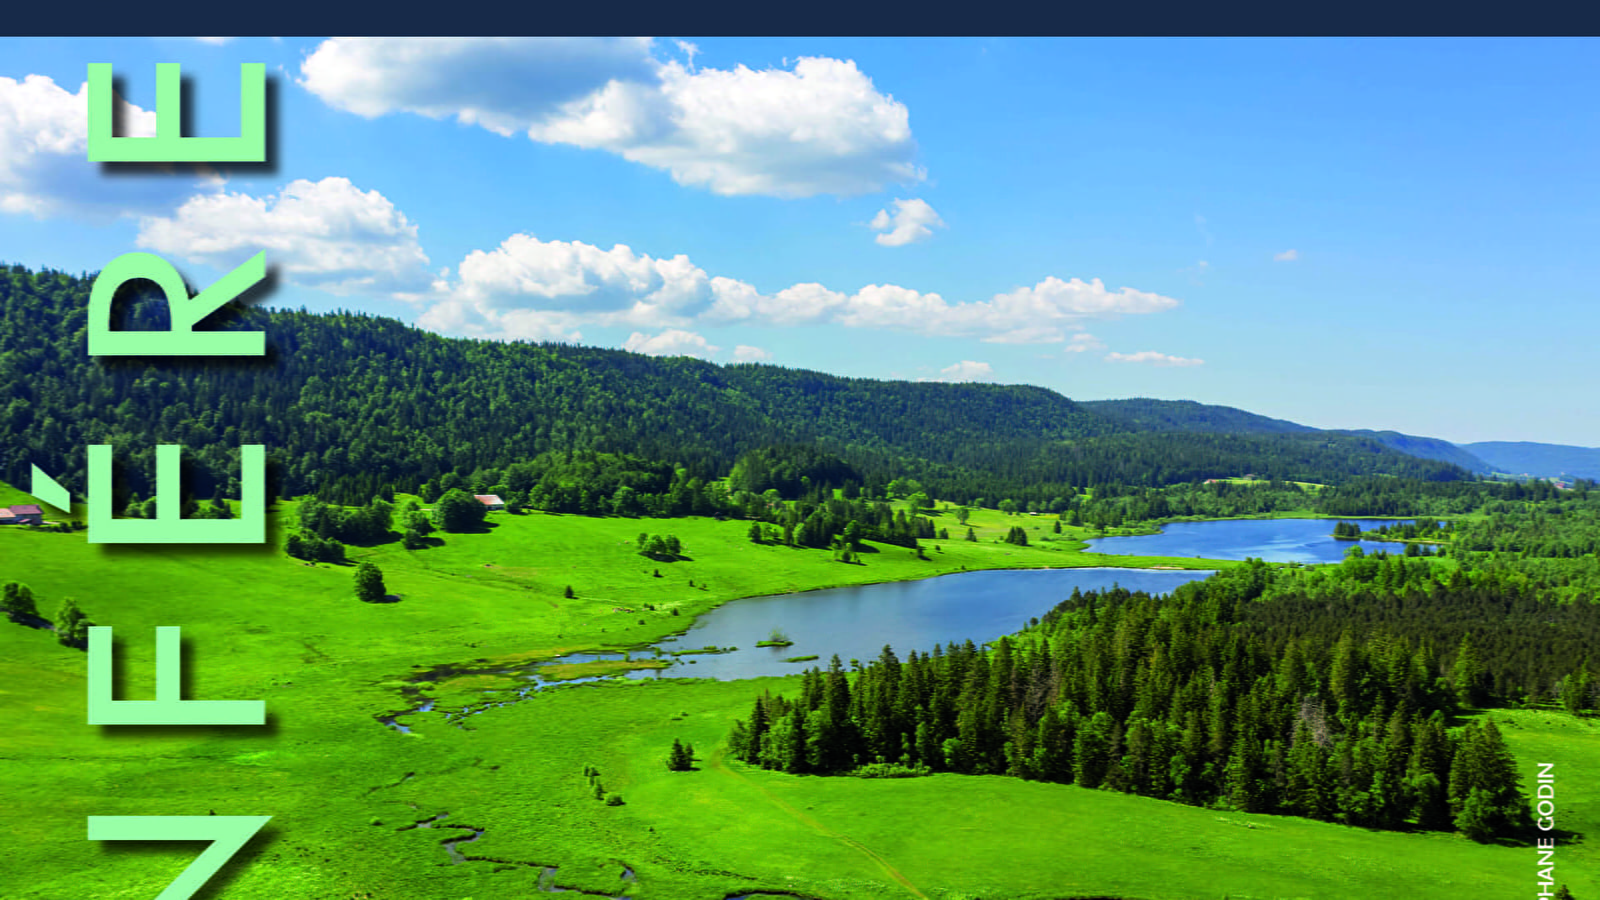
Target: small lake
(1274,540)
(855,622)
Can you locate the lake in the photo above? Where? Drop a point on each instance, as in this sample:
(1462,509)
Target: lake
(856,622)
(1274,540)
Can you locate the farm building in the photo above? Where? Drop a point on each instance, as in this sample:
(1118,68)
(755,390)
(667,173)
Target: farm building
(492,501)
(26,514)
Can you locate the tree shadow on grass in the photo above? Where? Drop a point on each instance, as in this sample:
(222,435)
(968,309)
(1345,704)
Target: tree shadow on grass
(389,537)
(27,620)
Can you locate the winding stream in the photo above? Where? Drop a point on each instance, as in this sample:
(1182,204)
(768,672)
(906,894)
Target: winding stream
(857,622)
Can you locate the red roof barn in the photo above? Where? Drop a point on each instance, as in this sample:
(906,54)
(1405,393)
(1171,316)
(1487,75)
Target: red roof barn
(25,514)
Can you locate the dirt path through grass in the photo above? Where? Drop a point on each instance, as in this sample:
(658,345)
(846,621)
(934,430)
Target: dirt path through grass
(813,824)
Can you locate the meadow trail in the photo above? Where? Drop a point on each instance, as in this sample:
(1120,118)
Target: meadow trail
(813,824)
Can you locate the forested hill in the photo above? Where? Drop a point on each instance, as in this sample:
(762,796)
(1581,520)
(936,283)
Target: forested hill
(347,403)
(1430,448)
(1539,460)
(1146,414)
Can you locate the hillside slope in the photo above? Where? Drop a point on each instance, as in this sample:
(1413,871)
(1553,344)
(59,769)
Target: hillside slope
(349,403)
(1147,414)
(1538,460)
(1429,448)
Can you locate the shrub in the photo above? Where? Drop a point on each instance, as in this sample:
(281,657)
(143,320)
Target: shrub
(369,583)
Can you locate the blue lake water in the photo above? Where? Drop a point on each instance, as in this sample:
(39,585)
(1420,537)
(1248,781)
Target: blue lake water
(856,622)
(1274,540)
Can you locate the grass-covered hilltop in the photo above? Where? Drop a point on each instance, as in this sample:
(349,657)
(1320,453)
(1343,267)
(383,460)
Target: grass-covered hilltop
(476,551)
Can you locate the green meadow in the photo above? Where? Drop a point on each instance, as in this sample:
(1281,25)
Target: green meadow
(347,793)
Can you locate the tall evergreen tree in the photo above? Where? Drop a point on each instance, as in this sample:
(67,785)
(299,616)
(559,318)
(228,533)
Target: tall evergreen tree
(1467,675)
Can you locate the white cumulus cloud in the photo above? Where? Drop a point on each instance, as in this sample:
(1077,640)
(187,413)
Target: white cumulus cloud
(557,284)
(551,287)
(500,83)
(1083,342)
(1153,358)
(672,342)
(455,316)
(1036,314)
(911,221)
(794,305)
(327,234)
(44,158)
(819,126)
(1289,255)
(966,370)
(747,353)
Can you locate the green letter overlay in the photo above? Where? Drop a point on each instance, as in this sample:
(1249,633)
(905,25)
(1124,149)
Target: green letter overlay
(185,312)
(49,490)
(169,145)
(169,708)
(167,528)
(226,833)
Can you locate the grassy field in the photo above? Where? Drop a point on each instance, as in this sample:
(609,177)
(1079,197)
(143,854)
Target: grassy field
(346,792)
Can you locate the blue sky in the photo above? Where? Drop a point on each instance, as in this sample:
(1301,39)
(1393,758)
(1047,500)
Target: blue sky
(1392,234)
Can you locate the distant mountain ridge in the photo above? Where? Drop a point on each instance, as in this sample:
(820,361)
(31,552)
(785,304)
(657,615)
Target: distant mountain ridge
(1538,460)
(1482,458)
(1429,448)
(1149,414)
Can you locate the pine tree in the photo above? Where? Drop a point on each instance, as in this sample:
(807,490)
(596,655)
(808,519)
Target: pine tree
(681,757)
(1344,674)
(1499,777)
(1476,819)
(758,731)
(1140,759)
(739,740)
(1091,751)
(1575,690)
(1242,778)
(1467,674)
(1304,793)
